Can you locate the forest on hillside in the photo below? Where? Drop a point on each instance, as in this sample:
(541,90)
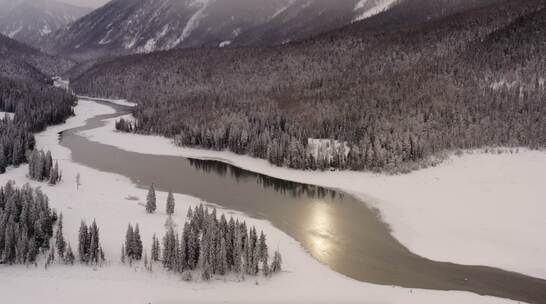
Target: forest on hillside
(394,97)
(35,106)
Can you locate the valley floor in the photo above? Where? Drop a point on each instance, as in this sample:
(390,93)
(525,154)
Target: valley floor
(103,197)
(475,209)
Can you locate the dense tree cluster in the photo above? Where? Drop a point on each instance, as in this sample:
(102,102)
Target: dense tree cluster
(26,224)
(211,245)
(42,168)
(395,97)
(35,106)
(14,142)
(125,125)
(89,248)
(132,248)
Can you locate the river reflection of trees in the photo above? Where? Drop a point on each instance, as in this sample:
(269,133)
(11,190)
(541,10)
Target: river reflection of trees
(288,188)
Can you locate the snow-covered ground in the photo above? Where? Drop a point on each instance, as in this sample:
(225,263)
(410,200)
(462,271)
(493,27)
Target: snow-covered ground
(474,209)
(3,114)
(103,197)
(121,102)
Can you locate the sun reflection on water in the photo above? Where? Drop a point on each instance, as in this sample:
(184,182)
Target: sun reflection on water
(320,225)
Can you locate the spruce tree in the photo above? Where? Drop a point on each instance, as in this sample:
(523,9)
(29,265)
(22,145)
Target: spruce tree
(170,203)
(276,265)
(59,238)
(129,241)
(262,246)
(137,244)
(123,254)
(151,200)
(69,256)
(155,249)
(82,243)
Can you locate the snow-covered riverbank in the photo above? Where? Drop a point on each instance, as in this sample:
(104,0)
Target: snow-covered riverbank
(103,197)
(475,209)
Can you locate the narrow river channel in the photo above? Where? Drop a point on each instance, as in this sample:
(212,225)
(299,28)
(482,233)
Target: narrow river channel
(332,226)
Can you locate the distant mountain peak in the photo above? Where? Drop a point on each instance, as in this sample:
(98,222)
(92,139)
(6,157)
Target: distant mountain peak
(30,20)
(130,26)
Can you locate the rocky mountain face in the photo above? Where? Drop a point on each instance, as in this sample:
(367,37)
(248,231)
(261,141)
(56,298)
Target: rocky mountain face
(140,26)
(29,21)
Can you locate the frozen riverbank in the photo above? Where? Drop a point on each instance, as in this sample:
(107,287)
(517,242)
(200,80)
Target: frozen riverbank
(476,209)
(103,196)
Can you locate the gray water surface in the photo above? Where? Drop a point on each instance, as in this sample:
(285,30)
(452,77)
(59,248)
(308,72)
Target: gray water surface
(333,226)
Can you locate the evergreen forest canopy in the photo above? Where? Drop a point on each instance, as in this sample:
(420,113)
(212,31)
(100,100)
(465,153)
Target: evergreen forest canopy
(25,90)
(395,97)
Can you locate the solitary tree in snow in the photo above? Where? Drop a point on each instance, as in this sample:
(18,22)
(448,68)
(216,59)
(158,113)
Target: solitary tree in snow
(150,200)
(78,181)
(170,203)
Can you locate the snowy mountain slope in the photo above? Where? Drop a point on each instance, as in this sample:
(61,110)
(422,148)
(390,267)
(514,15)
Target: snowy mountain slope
(29,20)
(19,61)
(130,26)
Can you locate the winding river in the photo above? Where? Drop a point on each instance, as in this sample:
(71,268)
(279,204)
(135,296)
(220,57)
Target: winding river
(332,226)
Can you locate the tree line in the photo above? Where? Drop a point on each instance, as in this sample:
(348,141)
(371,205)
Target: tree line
(35,106)
(207,244)
(42,168)
(26,224)
(396,98)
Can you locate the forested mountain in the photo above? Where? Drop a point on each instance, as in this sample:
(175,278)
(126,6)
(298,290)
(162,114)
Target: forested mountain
(22,62)
(29,20)
(131,26)
(25,89)
(395,97)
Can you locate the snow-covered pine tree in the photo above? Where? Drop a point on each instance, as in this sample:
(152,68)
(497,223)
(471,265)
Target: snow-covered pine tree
(265,268)
(262,248)
(59,237)
(276,265)
(137,244)
(206,273)
(54,175)
(151,200)
(255,261)
(69,256)
(155,249)
(129,241)
(123,254)
(170,203)
(190,213)
(237,251)
(222,266)
(169,249)
(94,244)
(83,250)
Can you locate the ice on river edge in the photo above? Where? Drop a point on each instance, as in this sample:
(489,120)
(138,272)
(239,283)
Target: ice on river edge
(475,209)
(103,196)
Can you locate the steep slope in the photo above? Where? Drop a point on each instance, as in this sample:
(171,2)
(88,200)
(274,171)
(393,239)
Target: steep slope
(395,96)
(19,61)
(130,26)
(30,20)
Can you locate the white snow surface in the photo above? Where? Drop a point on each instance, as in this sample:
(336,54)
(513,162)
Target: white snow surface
(379,7)
(3,114)
(102,196)
(122,102)
(15,32)
(475,209)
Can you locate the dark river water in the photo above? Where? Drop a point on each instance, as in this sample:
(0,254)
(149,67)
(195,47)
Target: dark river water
(334,227)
